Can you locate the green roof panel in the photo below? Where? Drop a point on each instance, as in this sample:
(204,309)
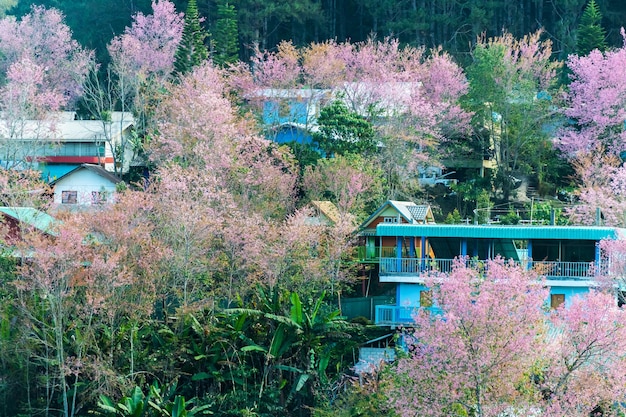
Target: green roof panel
(32,217)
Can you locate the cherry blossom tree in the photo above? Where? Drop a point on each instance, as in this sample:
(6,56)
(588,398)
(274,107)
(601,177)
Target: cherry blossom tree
(192,234)
(404,92)
(595,102)
(23,188)
(43,70)
(42,38)
(27,127)
(148,46)
(583,369)
(602,187)
(121,289)
(489,347)
(142,60)
(54,276)
(97,275)
(234,187)
(351,182)
(256,172)
(374,78)
(471,358)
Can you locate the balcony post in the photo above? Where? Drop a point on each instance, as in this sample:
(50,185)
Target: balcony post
(412,248)
(423,253)
(463,247)
(598,258)
(529,254)
(398,254)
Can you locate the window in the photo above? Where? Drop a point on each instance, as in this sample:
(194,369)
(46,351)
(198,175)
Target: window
(98,197)
(69,197)
(390,220)
(556,300)
(426,298)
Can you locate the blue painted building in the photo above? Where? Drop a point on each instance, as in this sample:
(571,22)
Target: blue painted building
(291,132)
(568,256)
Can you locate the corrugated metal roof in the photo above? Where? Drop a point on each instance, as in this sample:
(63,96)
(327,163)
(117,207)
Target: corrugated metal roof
(63,128)
(32,217)
(328,209)
(502,232)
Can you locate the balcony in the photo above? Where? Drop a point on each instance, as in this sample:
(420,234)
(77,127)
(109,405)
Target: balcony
(552,270)
(388,315)
(76,153)
(373,254)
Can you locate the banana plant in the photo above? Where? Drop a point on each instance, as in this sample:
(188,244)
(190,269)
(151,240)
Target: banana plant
(134,405)
(157,403)
(297,341)
(179,407)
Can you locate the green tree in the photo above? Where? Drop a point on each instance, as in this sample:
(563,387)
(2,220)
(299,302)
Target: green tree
(591,34)
(454,217)
(6,5)
(512,82)
(342,131)
(225,35)
(511,217)
(482,213)
(191,51)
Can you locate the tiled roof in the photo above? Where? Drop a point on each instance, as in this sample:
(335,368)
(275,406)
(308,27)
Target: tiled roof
(418,212)
(411,212)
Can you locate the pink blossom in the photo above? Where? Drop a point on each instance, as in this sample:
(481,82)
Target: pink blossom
(42,38)
(148,47)
(596,103)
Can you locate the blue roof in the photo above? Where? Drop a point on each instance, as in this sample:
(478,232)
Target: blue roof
(51,172)
(502,232)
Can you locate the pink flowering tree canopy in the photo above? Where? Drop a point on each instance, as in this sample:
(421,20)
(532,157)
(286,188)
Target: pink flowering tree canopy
(42,38)
(410,97)
(583,367)
(257,172)
(472,356)
(596,103)
(148,46)
(374,78)
(602,191)
(489,347)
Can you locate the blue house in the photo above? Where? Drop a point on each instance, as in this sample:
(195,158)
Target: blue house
(290,115)
(568,256)
(291,132)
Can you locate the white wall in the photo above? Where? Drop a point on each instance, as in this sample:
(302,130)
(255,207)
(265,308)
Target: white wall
(84,182)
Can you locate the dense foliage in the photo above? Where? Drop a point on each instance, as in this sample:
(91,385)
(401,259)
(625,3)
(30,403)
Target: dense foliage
(212,286)
(453,24)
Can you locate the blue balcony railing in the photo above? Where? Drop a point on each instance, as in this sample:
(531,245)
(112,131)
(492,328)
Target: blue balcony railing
(391,315)
(550,269)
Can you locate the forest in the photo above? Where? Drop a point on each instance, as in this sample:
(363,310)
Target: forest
(204,289)
(452,24)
